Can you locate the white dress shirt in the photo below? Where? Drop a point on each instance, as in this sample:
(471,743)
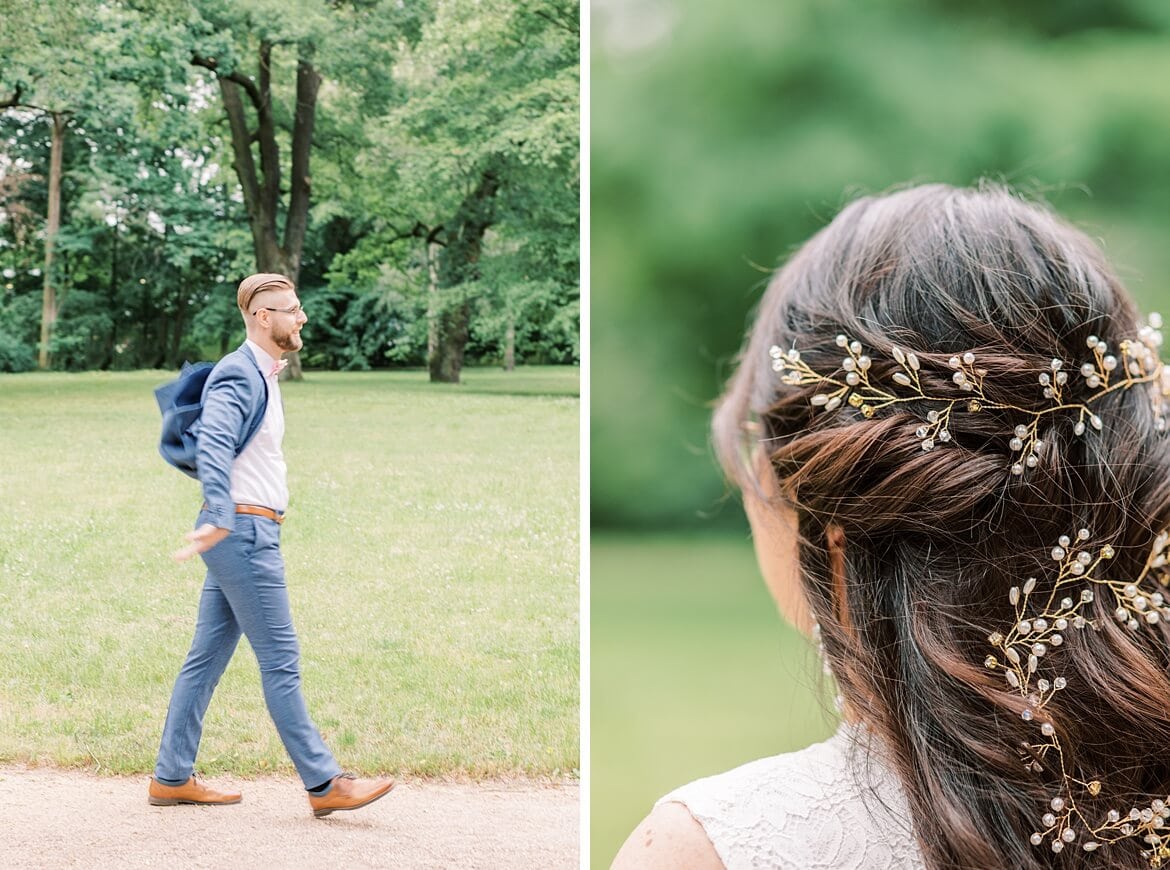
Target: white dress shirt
(259,475)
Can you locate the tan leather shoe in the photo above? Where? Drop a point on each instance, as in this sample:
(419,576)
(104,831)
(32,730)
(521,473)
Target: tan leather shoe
(190,792)
(349,793)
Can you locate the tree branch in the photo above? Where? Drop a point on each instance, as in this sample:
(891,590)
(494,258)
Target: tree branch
(14,100)
(239,78)
(308,81)
(574,29)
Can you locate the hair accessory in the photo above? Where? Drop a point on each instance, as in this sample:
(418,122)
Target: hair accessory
(1136,362)
(1038,630)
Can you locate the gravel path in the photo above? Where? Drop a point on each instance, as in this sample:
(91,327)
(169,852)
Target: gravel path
(52,818)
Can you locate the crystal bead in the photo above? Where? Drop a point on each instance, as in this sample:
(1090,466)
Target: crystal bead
(1026,715)
(927,445)
(944,435)
(1043,685)
(1060,682)
(1113,816)
(1086,595)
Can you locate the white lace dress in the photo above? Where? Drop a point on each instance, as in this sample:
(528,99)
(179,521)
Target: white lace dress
(833,805)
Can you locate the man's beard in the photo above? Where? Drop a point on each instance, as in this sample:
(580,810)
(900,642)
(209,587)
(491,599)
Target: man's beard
(287,341)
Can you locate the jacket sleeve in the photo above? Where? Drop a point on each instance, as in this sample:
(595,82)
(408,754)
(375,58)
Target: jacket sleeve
(225,408)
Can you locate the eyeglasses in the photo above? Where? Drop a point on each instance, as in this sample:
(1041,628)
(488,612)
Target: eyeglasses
(294,311)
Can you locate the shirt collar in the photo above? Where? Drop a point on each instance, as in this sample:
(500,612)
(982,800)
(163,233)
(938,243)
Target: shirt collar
(263,361)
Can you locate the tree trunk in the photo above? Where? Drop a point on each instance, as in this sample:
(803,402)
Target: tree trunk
(510,344)
(262,191)
(458,265)
(49,297)
(432,298)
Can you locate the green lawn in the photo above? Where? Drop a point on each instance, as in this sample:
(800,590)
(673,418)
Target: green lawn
(432,556)
(692,672)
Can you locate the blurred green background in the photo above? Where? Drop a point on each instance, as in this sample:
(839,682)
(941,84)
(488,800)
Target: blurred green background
(722,136)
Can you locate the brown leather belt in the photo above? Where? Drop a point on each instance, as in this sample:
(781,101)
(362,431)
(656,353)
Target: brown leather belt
(257,511)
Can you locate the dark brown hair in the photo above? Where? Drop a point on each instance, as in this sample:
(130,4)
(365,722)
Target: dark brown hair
(935,539)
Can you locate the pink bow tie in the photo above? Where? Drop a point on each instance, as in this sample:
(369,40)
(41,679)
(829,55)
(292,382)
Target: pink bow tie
(277,367)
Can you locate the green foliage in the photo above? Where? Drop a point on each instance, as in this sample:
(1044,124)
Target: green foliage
(723,136)
(153,226)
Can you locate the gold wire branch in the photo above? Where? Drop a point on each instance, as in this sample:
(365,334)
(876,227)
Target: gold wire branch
(1035,633)
(1137,362)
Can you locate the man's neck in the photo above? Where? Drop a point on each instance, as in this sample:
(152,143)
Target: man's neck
(268,346)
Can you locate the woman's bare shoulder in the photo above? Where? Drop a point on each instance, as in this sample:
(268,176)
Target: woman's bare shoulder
(668,838)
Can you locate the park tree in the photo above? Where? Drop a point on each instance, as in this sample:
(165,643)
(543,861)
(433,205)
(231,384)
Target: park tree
(269,61)
(54,73)
(490,124)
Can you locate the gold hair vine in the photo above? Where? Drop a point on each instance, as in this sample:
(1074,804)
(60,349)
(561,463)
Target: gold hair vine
(1039,630)
(1136,362)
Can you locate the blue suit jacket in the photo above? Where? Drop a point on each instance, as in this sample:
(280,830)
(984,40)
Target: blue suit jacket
(235,398)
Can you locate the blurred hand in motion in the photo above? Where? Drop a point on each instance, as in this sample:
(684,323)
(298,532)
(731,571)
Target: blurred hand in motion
(202,539)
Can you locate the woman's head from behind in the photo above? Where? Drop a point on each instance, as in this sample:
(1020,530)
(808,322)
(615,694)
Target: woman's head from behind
(947,386)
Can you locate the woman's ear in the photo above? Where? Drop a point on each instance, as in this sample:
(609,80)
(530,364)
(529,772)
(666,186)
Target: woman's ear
(776,537)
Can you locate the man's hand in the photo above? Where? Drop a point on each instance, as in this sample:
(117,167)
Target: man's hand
(202,539)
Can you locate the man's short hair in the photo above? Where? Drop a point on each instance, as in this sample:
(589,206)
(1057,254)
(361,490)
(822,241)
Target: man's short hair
(258,283)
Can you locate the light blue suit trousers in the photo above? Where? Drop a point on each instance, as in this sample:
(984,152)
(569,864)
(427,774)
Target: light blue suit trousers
(244,592)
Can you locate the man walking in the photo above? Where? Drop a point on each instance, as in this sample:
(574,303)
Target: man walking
(242,472)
